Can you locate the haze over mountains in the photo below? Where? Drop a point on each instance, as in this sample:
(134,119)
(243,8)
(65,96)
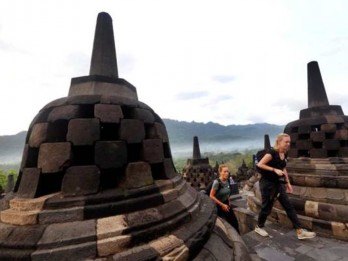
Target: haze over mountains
(212,138)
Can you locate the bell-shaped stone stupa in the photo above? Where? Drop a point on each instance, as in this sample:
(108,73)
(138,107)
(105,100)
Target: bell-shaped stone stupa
(97,180)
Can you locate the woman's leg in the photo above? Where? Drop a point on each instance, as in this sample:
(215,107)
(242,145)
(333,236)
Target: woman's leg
(268,190)
(229,216)
(288,207)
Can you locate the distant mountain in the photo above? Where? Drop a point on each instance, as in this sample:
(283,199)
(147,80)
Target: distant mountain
(11,147)
(216,138)
(212,137)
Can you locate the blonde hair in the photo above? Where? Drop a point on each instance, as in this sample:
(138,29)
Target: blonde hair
(221,166)
(279,138)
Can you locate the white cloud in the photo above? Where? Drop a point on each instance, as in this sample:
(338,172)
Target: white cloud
(226,61)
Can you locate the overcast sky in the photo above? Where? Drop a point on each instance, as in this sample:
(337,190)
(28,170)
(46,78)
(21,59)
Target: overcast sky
(229,62)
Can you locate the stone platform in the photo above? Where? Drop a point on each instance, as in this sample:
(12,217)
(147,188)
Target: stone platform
(284,246)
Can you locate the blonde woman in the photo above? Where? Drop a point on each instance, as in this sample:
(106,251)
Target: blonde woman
(220,193)
(273,176)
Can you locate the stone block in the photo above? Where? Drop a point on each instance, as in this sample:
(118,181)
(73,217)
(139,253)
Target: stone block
(84,251)
(138,174)
(340,230)
(110,154)
(21,218)
(304,129)
(38,135)
(318,153)
(132,131)
(83,131)
(328,128)
(24,237)
(336,194)
(157,131)
(341,134)
(114,245)
(166,244)
(153,150)
(108,113)
(311,181)
(331,144)
(143,252)
(53,157)
(318,136)
(144,218)
(303,144)
(28,186)
(144,115)
(72,185)
(169,168)
(111,226)
(64,234)
(61,216)
(327,211)
(66,112)
(343,152)
(331,118)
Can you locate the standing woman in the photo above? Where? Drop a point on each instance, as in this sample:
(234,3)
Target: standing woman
(273,176)
(220,193)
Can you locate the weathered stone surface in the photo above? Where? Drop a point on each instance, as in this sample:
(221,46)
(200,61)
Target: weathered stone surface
(61,216)
(169,168)
(166,244)
(144,217)
(83,131)
(38,135)
(21,218)
(110,154)
(113,245)
(153,150)
(144,115)
(29,183)
(111,226)
(340,230)
(64,234)
(53,157)
(157,131)
(138,174)
(318,136)
(72,185)
(84,251)
(132,131)
(25,237)
(66,112)
(108,113)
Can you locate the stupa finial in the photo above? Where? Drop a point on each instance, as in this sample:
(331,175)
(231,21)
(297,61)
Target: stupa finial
(104,61)
(316,89)
(196,150)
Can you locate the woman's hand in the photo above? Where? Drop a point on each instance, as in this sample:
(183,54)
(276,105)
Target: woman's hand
(289,188)
(225,207)
(279,172)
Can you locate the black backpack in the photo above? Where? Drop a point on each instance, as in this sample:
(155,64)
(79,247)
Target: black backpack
(210,185)
(259,155)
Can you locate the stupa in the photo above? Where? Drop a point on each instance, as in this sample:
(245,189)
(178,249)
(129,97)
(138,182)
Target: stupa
(197,171)
(317,164)
(97,180)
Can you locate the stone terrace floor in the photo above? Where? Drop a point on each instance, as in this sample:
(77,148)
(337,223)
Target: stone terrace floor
(285,246)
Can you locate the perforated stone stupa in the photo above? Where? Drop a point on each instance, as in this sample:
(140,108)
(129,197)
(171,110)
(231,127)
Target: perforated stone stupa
(97,180)
(197,171)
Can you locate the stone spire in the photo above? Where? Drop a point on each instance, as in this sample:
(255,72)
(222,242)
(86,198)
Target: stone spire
(196,150)
(103,74)
(104,62)
(316,89)
(267,143)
